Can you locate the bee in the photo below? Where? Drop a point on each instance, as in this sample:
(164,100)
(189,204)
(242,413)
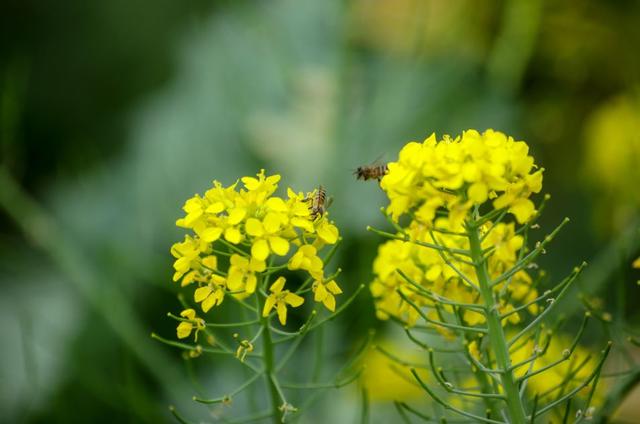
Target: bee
(317,203)
(370,172)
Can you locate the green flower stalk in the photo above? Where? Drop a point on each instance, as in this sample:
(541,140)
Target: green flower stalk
(243,238)
(458,264)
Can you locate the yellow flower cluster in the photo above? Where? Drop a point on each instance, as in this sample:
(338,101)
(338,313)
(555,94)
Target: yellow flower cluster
(457,174)
(240,232)
(428,268)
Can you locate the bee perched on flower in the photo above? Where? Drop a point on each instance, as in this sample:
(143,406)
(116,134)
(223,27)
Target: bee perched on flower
(240,239)
(458,263)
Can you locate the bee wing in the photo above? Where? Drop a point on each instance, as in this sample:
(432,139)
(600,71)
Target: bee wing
(329,202)
(378,160)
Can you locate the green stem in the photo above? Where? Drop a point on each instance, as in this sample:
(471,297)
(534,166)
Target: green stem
(496,334)
(267,351)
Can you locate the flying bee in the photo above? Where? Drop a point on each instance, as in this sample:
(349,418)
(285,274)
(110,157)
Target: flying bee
(370,172)
(318,203)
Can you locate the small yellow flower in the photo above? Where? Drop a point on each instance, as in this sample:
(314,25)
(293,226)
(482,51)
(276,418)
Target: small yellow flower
(242,273)
(211,294)
(186,327)
(186,253)
(324,292)
(636,263)
(279,299)
(267,237)
(307,258)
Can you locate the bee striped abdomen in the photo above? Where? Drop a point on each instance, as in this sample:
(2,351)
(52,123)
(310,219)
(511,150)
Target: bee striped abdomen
(317,206)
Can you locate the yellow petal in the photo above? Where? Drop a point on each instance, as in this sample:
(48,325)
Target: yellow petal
(208,303)
(478,192)
(333,287)
(254,227)
(278,285)
(522,209)
(330,302)
(433,273)
(276,204)
(182,265)
(257,265)
(251,284)
(636,263)
(303,223)
(272,222)
(215,207)
(294,300)
(201,293)
(328,233)
(210,262)
(282,312)
(260,250)
(239,261)
(279,245)
(233,235)
(235,279)
(250,183)
(189,278)
(184,329)
(268,305)
(296,261)
(320,292)
(236,215)
(211,234)
(188,314)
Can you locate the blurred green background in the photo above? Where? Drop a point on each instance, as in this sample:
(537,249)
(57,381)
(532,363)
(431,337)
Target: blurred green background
(113,113)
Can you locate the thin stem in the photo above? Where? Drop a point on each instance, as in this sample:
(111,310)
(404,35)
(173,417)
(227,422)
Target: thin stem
(435,297)
(228,398)
(419,243)
(267,349)
(436,322)
(449,406)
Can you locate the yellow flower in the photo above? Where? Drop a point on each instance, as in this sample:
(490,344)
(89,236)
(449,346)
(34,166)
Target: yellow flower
(187,254)
(267,237)
(242,273)
(636,263)
(210,294)
(279,299)
(306,258)
(324,292)
(186,327)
